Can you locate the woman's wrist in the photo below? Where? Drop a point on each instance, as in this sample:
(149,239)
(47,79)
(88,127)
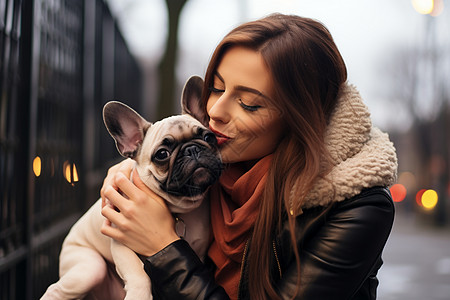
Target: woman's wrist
(178,232)
(164,243)
(177,250)
(161,245)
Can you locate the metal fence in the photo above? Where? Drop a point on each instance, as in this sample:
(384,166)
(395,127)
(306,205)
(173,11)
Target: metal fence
(60,61)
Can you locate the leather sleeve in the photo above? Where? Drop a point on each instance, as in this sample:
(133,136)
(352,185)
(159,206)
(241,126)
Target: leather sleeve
(176,272)
(340,251)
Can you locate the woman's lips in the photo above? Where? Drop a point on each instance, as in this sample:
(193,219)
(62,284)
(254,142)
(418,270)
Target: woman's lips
(221,138)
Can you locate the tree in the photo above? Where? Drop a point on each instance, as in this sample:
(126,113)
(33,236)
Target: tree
(166,70)
(418,81)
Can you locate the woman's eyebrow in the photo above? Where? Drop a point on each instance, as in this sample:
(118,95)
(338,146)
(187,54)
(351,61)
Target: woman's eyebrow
(219,76)
(251,90)
(244,88)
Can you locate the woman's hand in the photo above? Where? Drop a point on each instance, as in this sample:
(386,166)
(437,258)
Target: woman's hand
(143,222)
(125,167)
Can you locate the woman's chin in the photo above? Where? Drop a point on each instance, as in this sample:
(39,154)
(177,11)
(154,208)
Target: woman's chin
(227,159)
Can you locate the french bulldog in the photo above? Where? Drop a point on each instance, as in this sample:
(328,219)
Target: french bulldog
(178,159)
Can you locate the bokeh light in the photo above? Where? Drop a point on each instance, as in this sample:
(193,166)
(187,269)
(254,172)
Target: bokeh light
(37,166)
(398,192)
(423,7)
(70,172)
(448,188)
(408,179)
(429,199)
(75,173)
(438,8)
(419,196)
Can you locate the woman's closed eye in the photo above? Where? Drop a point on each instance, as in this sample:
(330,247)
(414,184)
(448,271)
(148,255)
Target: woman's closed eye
(249,107)
(215,90)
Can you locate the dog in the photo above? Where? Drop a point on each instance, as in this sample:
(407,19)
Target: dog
(178,159)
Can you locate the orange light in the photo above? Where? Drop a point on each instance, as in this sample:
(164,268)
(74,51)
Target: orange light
(398,192)
(429,199)
(75,174)
(70,172)
(37,166)
(419,197)
(66,170)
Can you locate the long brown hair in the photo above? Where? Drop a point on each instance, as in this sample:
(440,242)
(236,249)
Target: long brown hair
(307,71)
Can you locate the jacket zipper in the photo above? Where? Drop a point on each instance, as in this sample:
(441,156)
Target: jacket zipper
(276,257)
(242,269)
(243,260)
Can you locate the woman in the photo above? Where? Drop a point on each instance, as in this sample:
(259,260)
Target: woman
(301,210)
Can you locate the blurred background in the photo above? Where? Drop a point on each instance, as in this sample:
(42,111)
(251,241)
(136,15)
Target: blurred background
(62,60)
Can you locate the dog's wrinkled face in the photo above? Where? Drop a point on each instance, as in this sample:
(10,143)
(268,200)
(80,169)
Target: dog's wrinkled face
(180,158)
(176,157)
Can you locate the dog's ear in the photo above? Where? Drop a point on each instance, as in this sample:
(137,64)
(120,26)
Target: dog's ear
(126,126)
(190,100)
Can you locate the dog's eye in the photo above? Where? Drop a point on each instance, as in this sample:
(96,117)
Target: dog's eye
(162,154)
(210,138)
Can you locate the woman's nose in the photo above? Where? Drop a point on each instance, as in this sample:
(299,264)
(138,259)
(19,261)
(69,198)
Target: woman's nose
(219,110)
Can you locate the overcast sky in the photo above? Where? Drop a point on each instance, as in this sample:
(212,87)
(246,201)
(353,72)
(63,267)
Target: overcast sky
(366,32)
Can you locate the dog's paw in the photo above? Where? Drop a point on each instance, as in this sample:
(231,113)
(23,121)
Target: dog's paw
(147,295)
(141,289)
(53,293)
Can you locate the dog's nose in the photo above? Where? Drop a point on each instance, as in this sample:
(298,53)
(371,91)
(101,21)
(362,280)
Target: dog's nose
(192,151)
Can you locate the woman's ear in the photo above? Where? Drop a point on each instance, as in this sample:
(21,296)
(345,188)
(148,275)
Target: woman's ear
(191,97)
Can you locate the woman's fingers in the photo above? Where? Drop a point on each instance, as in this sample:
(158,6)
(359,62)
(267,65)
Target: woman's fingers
(142,220)
(137,181)
(125,167)
(127,189)
(109,230)
(135,191)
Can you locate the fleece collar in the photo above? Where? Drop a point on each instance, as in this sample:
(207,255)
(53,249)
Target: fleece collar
(362,155)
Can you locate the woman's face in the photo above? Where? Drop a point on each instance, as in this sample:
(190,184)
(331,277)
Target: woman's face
(245,120)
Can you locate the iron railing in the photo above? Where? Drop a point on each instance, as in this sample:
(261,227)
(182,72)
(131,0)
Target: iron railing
(61,60)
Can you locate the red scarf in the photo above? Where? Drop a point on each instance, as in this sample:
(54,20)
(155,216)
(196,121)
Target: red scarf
(234,207)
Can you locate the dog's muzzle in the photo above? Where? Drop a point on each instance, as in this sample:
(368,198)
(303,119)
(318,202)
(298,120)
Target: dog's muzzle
(196,167)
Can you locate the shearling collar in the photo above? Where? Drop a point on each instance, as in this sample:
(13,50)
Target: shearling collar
(362,155)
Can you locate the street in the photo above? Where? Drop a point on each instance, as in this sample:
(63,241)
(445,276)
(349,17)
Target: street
(416,262)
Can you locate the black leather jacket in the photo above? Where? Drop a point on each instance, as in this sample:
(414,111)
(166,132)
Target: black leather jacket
(340,254)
